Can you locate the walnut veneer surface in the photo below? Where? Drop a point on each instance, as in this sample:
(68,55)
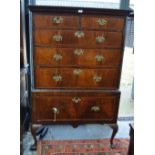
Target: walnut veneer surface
(76,60)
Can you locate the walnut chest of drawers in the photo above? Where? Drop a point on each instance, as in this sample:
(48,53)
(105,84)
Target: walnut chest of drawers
(76,59)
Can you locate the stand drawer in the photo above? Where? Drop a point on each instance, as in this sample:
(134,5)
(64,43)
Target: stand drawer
(69,106)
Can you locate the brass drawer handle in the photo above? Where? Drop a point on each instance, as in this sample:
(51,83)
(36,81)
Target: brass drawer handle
(79,34)
(55,112)
(100,39)
(99,58)
(95,108)
(101,21)
(97,78)
(76,99)
(57,57)
(57,78)
(57,38)
(76,71)
(78,52)
(57,20)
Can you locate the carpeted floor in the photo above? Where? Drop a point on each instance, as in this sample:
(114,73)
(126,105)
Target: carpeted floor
(83,147)
(67,132)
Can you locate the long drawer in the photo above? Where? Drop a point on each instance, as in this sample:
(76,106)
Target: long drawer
(107,78)
(77,57)
(73,38)
(71,106)
(73,21)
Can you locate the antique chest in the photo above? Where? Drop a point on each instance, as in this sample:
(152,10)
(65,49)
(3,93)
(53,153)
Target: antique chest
(76,60)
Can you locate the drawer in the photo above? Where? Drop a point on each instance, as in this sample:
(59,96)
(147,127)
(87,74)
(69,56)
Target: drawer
(71,106)
(102,22)
(55,21)
(72,38)
(43,107)
(76,78)
(77,57)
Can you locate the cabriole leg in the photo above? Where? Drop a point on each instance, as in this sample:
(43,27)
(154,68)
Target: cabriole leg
(34,128)
(115,129)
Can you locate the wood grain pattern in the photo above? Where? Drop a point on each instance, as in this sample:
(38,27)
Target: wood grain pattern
(78,22)
(46,21)
(44,78)
(46,56)
(45,37)
(70,111)
(113,23)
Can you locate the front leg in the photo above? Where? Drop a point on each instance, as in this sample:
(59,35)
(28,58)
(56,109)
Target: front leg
(115,129)
(34,128)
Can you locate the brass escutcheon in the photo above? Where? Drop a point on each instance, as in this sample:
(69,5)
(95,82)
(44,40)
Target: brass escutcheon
(100,39)
(101,21)
(76,71)
(79,34)
(78,52)
(57,38)
(76,99)
(57,57)
(57,20)
(97,78)
(57,78)
(95,108)
(99,58)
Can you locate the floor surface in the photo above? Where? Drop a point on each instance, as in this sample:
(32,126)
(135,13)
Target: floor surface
(67,132)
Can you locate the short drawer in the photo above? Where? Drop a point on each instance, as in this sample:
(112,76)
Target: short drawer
(70,106)
(77,57)
(76,78)
(70,38)
(102,22)
(55,21)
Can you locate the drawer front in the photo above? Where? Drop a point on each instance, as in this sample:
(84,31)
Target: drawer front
(77,57)
(78,38)
(102,22)
(71,21)
(55,21)
(76,78)
(96,108)
(61,107)
(45,105)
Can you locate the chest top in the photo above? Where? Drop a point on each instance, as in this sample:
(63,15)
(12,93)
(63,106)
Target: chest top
(79,7)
